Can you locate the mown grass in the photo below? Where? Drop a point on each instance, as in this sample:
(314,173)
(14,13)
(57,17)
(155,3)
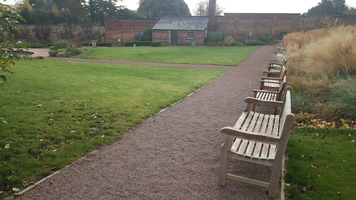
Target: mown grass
(52,112)
(321,164)
(229,56)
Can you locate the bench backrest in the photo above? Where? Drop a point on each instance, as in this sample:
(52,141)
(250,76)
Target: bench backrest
(286,121)
(282,90)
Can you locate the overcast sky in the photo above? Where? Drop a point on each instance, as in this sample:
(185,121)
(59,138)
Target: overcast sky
(245,6)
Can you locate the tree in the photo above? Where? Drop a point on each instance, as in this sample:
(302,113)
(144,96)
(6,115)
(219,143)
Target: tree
(203,9)
(328,8)
(351,12)
(101,10)
(88,12)
(9,26)
(160,8)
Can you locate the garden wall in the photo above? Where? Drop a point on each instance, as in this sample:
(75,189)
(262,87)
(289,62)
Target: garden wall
(127,29)
(49,34)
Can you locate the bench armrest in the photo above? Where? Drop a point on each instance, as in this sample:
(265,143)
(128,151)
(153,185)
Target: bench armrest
(231,131)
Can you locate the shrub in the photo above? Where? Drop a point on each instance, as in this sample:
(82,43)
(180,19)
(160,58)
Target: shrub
(138,43)
(39,45)
(215,37)
(229,41)
(147,34)
(60,45)
(253,43)
(266,38)
(53,53)
(98,44)
(156,44)
(64,49)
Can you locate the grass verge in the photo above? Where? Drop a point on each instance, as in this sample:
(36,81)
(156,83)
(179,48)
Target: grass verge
(52,112)
(321,164)
(229,56)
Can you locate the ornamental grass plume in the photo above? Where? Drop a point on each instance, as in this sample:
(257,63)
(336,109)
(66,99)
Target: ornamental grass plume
(317,61)
(319,56)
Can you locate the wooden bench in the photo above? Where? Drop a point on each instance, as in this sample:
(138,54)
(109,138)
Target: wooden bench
(258,138)
(277,65)
(268,95)
(273,83)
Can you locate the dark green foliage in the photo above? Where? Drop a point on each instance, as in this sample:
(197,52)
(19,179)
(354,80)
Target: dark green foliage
(160,8)
(64,49)
(127,14)
(301,102)
(156,44)
(328,8)
(101,11)
(147,34)
(74,12)
(215,37)
(9,27)
(98,44)
(266,38)
(60,45)
(351,12)
(344,102)
(254,43)
(39,45)
(138,43)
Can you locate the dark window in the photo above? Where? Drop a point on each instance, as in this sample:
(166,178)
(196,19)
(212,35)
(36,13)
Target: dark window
(190,35)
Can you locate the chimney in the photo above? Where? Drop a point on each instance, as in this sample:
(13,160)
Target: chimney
(211,15)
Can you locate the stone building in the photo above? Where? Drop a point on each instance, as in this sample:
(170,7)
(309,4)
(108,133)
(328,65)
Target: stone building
(180,30)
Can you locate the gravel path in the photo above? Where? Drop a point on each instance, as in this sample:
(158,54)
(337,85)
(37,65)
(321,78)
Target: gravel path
(172,155)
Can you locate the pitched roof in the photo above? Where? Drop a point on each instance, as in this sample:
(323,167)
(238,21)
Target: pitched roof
(182,23)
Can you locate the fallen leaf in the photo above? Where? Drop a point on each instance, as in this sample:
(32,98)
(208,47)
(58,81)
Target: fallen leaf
(313,166)
(15,189)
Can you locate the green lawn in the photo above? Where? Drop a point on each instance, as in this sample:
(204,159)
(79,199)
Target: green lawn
(321,164)
(230,56)
(52,112)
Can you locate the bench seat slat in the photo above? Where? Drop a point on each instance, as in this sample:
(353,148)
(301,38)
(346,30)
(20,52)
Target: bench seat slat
(258,148)
(236,144)
(243,146)
(250,148)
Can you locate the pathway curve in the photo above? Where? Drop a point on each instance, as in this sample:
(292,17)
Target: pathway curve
(172,155)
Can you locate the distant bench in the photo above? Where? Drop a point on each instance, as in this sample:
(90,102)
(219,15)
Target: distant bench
(258,138)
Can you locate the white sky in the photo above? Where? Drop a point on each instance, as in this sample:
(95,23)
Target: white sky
(244,6)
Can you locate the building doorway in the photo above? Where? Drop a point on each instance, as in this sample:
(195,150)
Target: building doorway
(174,38)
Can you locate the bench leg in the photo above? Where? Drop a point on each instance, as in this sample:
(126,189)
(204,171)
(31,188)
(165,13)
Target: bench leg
(223,161)
(275,180)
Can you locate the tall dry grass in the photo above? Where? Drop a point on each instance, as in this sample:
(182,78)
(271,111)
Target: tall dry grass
(318,59)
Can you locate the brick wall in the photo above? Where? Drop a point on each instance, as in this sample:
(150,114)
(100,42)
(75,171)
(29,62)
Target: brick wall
(245,25)
(126,29)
